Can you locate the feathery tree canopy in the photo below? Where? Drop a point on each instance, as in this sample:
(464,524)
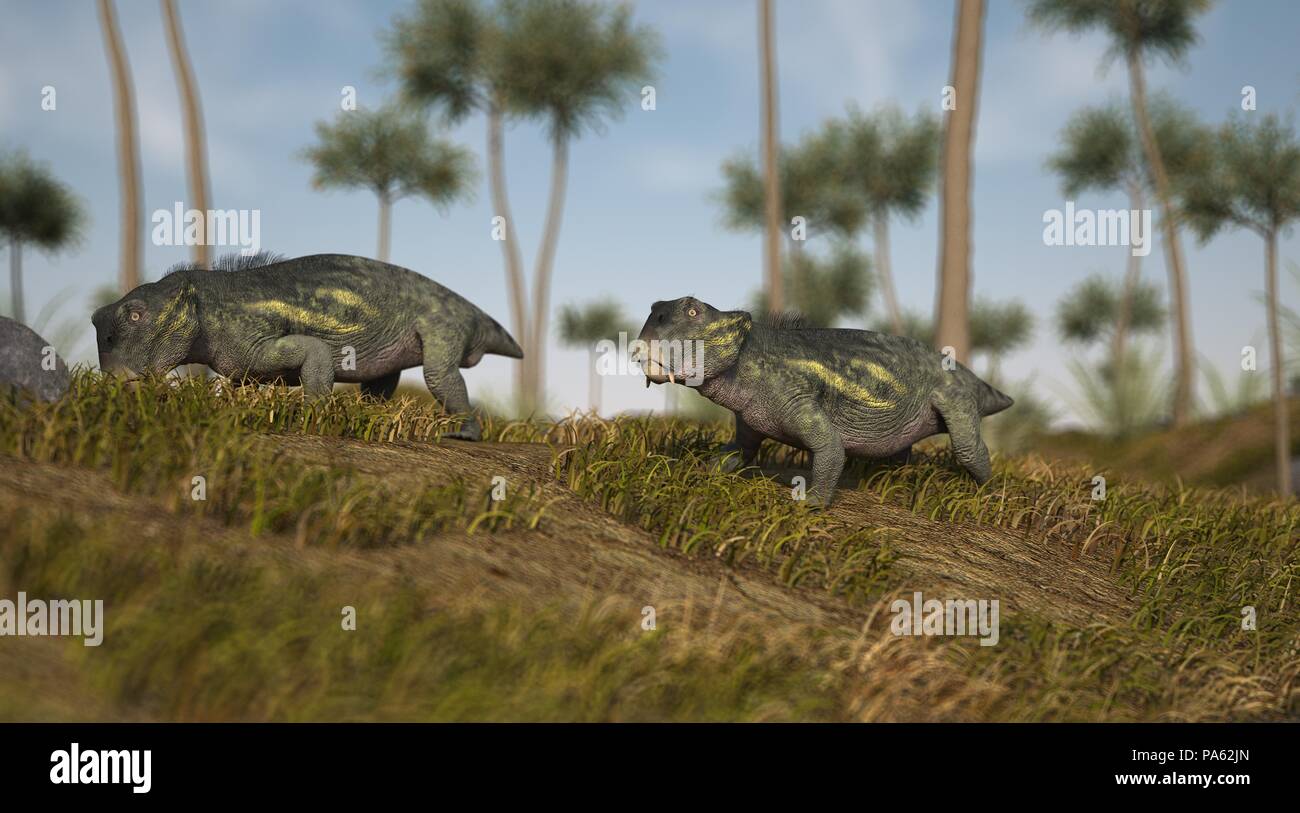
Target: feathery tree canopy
(1162,28)
(584,325)
(1090,311)
(823,290)
(390,152)
(1101,150)
(1253,180)
(35,207)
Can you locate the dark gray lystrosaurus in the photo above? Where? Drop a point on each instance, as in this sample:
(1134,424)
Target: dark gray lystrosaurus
(310,321)
(831,392)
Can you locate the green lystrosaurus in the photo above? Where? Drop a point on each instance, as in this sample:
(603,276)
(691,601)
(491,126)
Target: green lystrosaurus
(831,392)
(310,321)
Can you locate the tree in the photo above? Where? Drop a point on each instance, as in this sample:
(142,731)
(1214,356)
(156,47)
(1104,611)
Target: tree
(391,153)
(822,291)
(952,326)
(814,186)
(446,55)
(1140,29)
(196,151)
(1254,183)
(892,163)
(573,64)
(1102,152)
(1090,312)
(128,146)
(585,326)
(570,62)
(771,181)
(1119,391)
(37,209)
(998,329)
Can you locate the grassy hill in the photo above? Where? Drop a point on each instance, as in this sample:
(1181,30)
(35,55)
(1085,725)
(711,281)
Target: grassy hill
(1228,451)
(538,605)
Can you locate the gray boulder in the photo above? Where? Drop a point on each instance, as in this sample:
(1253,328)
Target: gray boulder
(26,363)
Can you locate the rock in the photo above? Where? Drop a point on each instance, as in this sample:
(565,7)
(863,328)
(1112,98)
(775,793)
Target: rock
(29,363)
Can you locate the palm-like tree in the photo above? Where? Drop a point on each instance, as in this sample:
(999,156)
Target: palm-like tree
(773,225)
(128,146)
(1254,183)
(817,183)
(35,209)
(1102,152)
(447,56)
(825,290)
(952,310)
(573,64)
(1140,29)
(998,329)
(587,325)
(568,61)
(391,153)
(1091,313)
(893,162)
(192,110)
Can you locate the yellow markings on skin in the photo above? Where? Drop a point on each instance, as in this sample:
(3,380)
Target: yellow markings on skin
(728,338)
(722,324)
(880,374)
(170,320)
(839,383)
(302,316)
(348,298)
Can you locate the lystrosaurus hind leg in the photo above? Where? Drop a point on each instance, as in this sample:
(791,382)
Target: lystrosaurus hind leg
(442,376)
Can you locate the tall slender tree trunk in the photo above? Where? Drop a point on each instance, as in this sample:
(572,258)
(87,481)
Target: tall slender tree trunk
(195,136)
(885,273)
(1281,410)
(385,226)
(771,178)
(1119,346)
(545,266)
(1184,355)
(195,139)
(952,317)
(128,147)
(513,257)
(1131,277)
(16,281)
(593,381)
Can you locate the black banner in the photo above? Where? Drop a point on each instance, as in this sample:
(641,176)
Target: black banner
(234,762)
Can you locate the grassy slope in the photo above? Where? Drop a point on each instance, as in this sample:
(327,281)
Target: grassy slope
(1222,452)
(531,607)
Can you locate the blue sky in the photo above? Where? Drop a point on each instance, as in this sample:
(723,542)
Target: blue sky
(641,222)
